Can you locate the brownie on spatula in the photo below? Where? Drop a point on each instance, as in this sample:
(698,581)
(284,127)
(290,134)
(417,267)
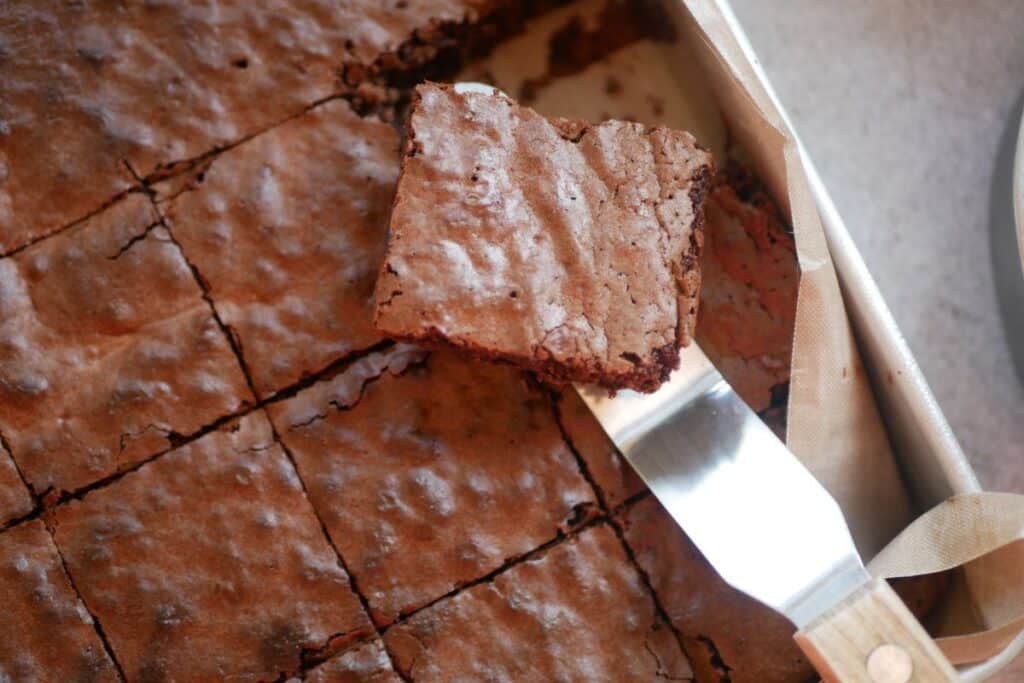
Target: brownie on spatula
(568,248)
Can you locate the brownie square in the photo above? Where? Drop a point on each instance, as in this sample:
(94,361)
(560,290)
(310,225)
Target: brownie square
(209,563)
(15,500)
(567,248)
(288,230)
(720,626)
(93,85)
(748,297)
(364,663)
(429,473)
(577,612)
(107,350)
(46,633)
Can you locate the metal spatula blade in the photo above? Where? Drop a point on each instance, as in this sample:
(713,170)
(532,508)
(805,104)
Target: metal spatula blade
(765,524)
(768,527)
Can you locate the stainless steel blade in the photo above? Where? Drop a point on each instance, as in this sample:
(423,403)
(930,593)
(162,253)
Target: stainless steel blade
(765,524)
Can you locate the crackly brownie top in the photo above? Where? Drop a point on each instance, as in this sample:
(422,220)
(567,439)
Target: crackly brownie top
(107,350)
(48,634)
(578,612)
(209,563)
(568,248)
(365,663)
(89,86)
(436,462)
(288,229)
(15,500)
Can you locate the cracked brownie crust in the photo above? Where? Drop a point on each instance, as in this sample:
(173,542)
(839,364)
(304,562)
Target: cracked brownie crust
(288,232)
(15,500)
(430,473)
(209,563)
(107,350)
(567,248)
(578,612)
(92,88)
(48,635)
(365,663)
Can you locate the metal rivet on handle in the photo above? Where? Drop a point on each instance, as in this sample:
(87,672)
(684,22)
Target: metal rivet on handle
(890,664)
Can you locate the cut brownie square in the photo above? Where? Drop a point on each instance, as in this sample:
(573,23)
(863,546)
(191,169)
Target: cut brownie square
(288,230)
(107,350)
(209,563)
(93,85)
(364,663)
(577,612)
(567,248)
(748,297)
(15,500)
(720,626)
(431,473)
(46,633)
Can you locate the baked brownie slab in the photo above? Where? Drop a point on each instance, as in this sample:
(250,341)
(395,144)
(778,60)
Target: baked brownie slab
(578,612)
(46,633)
(209,563)
(719,625)
(288,230)
(15,500)
(107,349)
(89,86)
(364,663)
(570,249)
(433,477)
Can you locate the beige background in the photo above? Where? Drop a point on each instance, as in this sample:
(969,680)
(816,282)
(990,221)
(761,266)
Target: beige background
(902,105)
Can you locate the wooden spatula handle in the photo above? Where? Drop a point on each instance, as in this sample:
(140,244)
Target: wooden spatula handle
(871,637)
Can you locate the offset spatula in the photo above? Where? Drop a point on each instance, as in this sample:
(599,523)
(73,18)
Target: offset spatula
(762,520)
(768,527)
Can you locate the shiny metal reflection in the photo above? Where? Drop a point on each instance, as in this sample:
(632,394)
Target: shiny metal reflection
(765,524)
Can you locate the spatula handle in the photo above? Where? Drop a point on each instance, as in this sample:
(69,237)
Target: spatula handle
(871,637)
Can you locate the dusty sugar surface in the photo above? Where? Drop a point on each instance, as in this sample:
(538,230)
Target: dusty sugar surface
(107,350)
(417,462)
(288,231)
(210,563)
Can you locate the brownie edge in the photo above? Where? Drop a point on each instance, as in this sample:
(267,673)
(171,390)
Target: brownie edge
(567,248)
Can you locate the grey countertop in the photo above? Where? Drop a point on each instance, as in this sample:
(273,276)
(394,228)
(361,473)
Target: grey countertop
(902,106)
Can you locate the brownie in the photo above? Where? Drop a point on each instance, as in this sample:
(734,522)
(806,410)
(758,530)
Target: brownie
(209,563)
(48,634)
(107,350)
(567,248)
(431,472)
(288,231)
(364,663)
(748,297)
(577,612)
(724,631)
(609,471)
(749,277)
(15,500)
(93,88)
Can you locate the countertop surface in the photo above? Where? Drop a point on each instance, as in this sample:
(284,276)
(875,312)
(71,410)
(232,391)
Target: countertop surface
(902,107)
